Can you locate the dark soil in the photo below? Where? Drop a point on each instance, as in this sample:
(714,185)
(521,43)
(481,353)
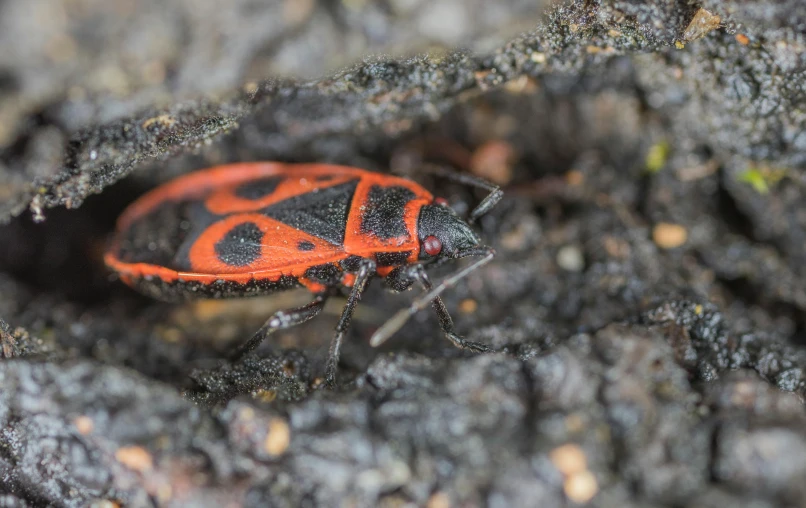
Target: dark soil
(648,300)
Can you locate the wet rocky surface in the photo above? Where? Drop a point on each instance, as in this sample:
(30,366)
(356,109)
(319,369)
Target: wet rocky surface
(646,303)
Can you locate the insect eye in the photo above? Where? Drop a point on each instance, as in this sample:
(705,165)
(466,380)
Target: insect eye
(433,245)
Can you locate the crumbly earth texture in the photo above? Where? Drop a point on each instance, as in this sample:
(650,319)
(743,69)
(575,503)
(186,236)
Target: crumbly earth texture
(647,301)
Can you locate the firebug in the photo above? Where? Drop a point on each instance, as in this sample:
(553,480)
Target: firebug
(251,229)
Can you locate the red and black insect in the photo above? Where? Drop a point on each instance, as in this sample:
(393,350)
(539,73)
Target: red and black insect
(255,228)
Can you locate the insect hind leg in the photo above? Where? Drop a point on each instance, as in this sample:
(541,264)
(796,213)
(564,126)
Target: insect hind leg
(281,320)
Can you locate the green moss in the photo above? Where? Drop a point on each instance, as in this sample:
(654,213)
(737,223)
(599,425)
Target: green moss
(761,178)
(657,156)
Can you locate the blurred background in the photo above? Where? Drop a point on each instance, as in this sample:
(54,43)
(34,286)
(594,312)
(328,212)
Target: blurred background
(647,298)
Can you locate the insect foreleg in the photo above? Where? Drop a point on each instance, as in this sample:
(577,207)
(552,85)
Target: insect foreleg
(365,271)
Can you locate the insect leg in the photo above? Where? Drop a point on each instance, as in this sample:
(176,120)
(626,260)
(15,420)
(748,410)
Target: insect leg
(280,320)
(398,320)
(445,321)
(492,199)
(365,271)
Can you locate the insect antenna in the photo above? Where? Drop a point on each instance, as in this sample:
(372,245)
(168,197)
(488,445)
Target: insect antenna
(397,321)
(492,199)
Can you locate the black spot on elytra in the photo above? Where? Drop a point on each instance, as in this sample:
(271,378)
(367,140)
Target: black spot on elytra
(165,234)
(305,245)
(322,214)
(241,245)
(383,213)
(257,189)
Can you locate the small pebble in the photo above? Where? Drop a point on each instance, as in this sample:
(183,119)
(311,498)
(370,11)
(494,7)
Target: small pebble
(570,258)
(669,236)
(439,500)
(278,438)
(135,458)
(580,484)
(468,306)
(581,487)
(83,425)
(569,459)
